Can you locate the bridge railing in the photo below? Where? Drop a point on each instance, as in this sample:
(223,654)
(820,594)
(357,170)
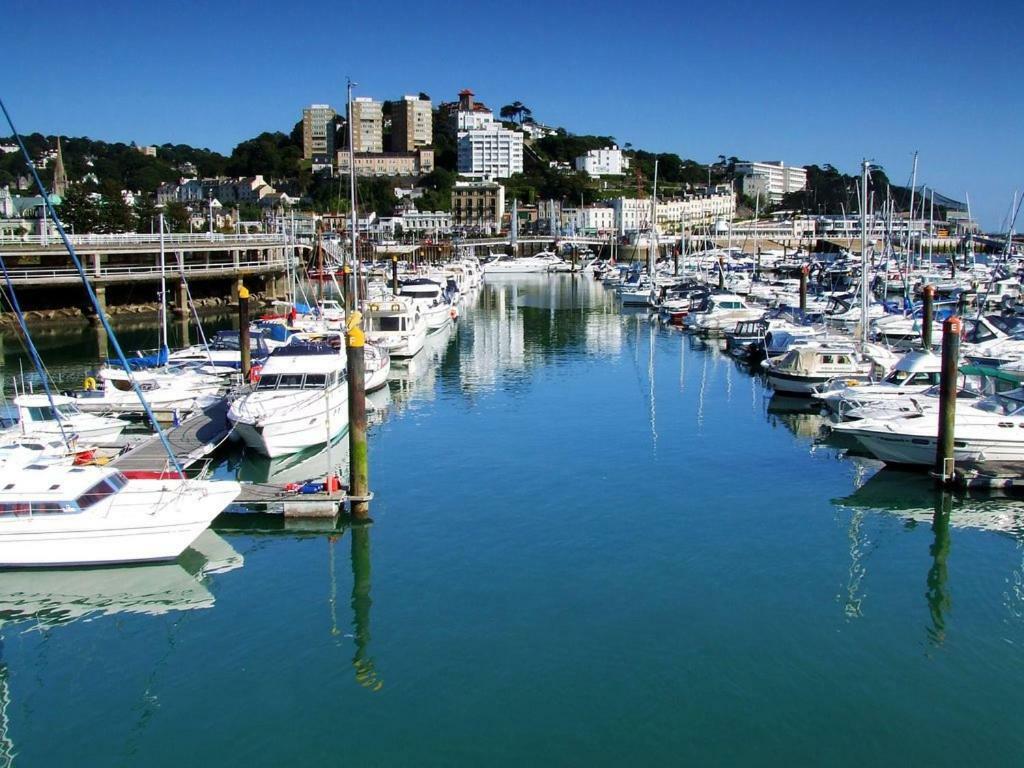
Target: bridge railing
(130,239)
(172,269)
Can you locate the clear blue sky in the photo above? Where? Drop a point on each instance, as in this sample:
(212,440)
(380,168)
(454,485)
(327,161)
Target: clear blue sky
(803,82)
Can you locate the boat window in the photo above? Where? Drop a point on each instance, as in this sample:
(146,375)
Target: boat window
(1000,405)
(842,360)
(40,413)
(389,323)
(897,377)
(104,488)
(290,381)
(315,381)
(268,381)
(826,359)
(34,507)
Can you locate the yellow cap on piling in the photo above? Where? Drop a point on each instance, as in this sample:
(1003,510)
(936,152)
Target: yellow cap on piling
(243,292)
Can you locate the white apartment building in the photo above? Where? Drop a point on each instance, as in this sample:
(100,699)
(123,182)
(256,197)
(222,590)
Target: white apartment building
(771,180)
(603,162)
(433,222)
(595,220)
(318,132)
(367,125)
(412,124)
(674,215)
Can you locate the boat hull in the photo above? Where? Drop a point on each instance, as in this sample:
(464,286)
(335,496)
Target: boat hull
(48,541)
(284,436)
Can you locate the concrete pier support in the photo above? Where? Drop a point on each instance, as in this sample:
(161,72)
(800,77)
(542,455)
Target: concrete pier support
(101,297)
(183,331)
(181,303)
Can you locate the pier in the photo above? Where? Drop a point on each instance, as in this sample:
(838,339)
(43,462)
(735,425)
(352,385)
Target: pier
(197,438)
(42,270)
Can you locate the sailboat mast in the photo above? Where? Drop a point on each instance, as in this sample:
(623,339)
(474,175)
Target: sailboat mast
(653,246)
(910,210)
(931,231)
(864,249)
(163,293)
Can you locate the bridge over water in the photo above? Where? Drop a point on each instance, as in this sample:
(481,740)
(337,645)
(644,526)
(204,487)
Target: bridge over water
(37,263)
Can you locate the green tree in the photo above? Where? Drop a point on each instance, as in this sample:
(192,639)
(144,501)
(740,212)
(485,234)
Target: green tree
(176,217)
(145,215)
(79,211)
(437,190)
(516,111)
(116,215)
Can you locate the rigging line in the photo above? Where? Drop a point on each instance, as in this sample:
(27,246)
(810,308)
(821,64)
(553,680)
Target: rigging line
(195,310)
(89,290)
(33,352)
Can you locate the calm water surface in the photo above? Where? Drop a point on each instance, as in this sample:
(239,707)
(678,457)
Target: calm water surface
(597,541)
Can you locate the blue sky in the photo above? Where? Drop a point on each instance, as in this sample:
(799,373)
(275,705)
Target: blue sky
(796,81)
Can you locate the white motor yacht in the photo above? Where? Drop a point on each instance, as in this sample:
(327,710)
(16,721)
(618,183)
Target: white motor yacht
(913,374)
(396,325)
(167,391)
(508,265)
(301,400)
(638,294)
(59,516)
(36,417)
(223,351)
(17,453)
(723,311)
(807,369)
(377,363)
(990,429)
(430,297)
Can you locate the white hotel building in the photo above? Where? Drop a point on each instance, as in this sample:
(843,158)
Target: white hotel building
(486,149)
(674,215)
(771,180)
(603,162)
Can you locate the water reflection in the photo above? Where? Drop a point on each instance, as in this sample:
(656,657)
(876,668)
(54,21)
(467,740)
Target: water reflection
(313,462)
(939,601)
(362,660)
(52,597)
(800,415)
(524,321)
(914,497)
(6,743)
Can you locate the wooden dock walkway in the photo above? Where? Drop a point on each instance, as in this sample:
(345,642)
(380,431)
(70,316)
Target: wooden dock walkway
(1002,476)
(197,437)
(191,441)
(270,497)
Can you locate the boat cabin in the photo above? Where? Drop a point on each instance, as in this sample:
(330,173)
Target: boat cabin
(41,490)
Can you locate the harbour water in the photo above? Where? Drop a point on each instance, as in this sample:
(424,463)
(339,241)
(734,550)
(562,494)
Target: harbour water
(596,541)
